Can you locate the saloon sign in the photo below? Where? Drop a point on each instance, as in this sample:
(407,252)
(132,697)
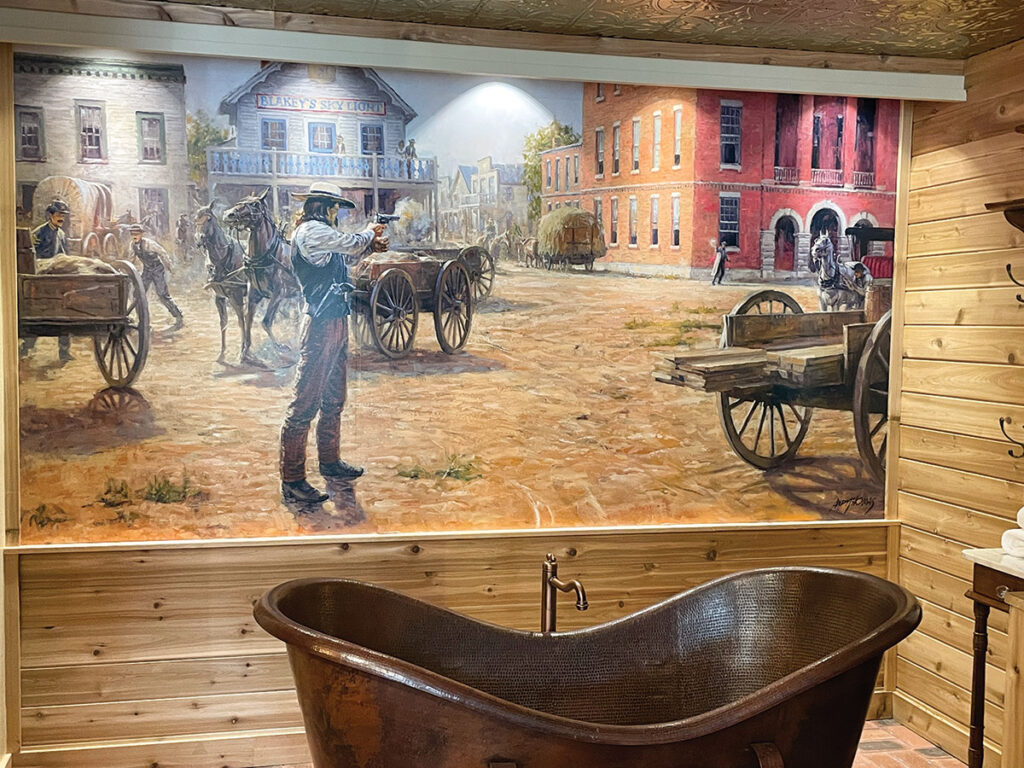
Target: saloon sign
(318,104)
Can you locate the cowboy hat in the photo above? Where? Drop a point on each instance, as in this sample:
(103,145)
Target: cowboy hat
(326,191)
(136,228)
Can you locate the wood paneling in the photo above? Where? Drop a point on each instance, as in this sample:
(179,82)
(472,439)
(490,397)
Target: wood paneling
(966,417)
(971,381)
(126,646)
(967,161)
(968,196)
(952,700)
(969,344)
(985,232)
(970,454)
(962,525)
(987,307)
(1000,498)
(939,728)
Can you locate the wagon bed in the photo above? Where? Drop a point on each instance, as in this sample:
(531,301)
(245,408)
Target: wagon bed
(777,363)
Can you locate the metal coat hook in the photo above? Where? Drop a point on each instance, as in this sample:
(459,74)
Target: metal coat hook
(1009,271)
(1020,445)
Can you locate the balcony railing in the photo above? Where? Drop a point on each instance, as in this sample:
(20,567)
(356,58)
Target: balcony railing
(270,163)
(827,177)
(864,179)
(471,200)
(786,175)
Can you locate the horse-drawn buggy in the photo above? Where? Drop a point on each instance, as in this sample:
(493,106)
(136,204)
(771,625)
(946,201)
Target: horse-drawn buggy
(392,288)
(92,230)
(776,363)
(569,236)
(108,304)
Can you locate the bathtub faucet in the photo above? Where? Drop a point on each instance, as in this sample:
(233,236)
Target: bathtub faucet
(549,585)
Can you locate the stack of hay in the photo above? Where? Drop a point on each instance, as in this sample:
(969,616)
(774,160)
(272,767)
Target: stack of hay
(1013,539)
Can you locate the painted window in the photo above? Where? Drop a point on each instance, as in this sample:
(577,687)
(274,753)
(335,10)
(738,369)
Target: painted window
(864,145)
(600,92)
(273,134)
(616,90)
(633,212)
(656,144)
(29,125)
(547,173)
(599,149)
(654,220)
(371,139)
(92,140)
(636,143)
(677,142)
(26,196)
(575,169)
(787,128)
(152,142)
(729,219)
(675,221)
(598,213)
(732,113)
(614,234)
(566,172)
(558,172)
(321,137)
(827,137)
(616,136)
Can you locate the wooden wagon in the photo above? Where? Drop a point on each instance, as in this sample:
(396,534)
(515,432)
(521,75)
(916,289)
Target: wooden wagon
(391,290)
(777,363)
(111,308)
(569,236)
(91,229)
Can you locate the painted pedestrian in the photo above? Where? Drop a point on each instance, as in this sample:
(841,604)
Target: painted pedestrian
(718,270)
(154,259)
(321,257)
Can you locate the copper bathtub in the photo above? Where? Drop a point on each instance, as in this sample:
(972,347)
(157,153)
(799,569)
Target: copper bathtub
(769,668)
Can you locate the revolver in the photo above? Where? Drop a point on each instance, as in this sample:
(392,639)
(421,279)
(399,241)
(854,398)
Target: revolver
(385,218)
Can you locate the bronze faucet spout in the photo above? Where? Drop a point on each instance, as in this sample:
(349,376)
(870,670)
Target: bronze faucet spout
(549,585)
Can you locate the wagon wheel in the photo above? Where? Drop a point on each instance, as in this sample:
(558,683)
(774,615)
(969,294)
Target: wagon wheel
(121,353)
(589,265)
(871,398)
(361,326)
(394,313)
(763,429)
(111,247)
(453,307)
(91,245)
(483,283)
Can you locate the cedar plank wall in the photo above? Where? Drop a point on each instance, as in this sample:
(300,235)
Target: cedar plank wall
(133,658)
(963,346)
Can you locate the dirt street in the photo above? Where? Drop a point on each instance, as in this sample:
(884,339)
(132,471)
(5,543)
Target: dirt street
(550,417)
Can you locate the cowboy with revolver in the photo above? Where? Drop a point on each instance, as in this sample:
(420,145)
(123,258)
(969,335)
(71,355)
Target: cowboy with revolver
(321,258)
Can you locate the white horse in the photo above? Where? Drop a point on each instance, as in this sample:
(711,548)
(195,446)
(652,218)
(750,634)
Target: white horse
(840,285)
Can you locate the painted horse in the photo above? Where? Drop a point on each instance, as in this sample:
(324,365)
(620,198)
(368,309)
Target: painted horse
(267,265)
(840,285)
(225,275)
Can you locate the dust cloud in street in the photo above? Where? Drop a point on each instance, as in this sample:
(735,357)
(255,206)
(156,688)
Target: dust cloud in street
(550,417)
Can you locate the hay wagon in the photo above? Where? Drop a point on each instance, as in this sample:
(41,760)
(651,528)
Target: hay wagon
(391,289)
(777,363)
(111,308)
(91,228)
(569,236)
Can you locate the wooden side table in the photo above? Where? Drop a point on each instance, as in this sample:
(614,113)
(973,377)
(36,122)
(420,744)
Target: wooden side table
(998,583)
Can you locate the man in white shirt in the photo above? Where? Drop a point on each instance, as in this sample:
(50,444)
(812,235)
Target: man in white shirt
(321,256)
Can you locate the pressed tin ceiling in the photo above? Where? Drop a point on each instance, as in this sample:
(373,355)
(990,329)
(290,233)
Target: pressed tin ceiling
(952,29)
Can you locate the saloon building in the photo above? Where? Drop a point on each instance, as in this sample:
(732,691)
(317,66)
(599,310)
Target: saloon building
(113,126)
(295,124)
(673,171)
(481,194)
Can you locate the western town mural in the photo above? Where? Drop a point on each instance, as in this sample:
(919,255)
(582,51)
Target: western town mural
(262,299)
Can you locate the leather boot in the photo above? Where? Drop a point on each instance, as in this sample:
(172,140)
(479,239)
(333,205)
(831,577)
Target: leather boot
(302,491)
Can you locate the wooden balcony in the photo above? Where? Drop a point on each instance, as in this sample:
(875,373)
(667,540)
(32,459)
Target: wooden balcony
(260,164)
(864,179)
(827,177)
(786,175)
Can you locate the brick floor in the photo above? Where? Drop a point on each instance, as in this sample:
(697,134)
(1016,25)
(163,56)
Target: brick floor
(887,744)
(884,744)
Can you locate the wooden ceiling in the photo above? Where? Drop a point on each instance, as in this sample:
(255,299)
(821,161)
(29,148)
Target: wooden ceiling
(954,29)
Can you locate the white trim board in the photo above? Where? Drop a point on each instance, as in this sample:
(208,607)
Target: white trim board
(67,29)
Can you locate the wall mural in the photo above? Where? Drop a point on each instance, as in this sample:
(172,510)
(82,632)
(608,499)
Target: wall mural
(267,299)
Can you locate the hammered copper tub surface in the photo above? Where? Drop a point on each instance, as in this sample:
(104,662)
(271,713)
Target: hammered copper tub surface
(783,658)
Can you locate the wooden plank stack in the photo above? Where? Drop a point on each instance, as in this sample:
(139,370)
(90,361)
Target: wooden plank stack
(718,370)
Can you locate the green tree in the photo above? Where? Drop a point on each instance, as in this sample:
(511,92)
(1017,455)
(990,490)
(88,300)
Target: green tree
(201,133)
(554,134)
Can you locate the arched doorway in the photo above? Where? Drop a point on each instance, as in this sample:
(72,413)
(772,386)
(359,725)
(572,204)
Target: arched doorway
(785,243)
(828,220)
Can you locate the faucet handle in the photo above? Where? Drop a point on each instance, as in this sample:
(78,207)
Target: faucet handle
(550,558)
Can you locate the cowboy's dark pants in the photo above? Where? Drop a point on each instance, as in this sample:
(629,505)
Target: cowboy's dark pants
(320,385)
(158,279)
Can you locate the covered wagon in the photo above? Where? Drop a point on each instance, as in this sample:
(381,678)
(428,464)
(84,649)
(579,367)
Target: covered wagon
(569,236)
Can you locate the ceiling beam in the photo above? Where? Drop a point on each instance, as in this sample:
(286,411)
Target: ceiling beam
(181,28)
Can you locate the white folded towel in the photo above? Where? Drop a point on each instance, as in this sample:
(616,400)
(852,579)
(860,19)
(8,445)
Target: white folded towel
(1020,517)
(1013,542)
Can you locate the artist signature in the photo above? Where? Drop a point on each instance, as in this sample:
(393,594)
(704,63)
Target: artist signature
(860,504)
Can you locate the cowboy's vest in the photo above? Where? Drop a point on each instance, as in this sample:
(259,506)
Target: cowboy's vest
(148,252)
(326,288)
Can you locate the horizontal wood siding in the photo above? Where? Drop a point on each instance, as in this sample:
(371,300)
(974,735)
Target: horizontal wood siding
(128,648)
(956,484)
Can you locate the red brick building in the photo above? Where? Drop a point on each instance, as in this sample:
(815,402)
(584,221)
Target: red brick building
(671,171)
